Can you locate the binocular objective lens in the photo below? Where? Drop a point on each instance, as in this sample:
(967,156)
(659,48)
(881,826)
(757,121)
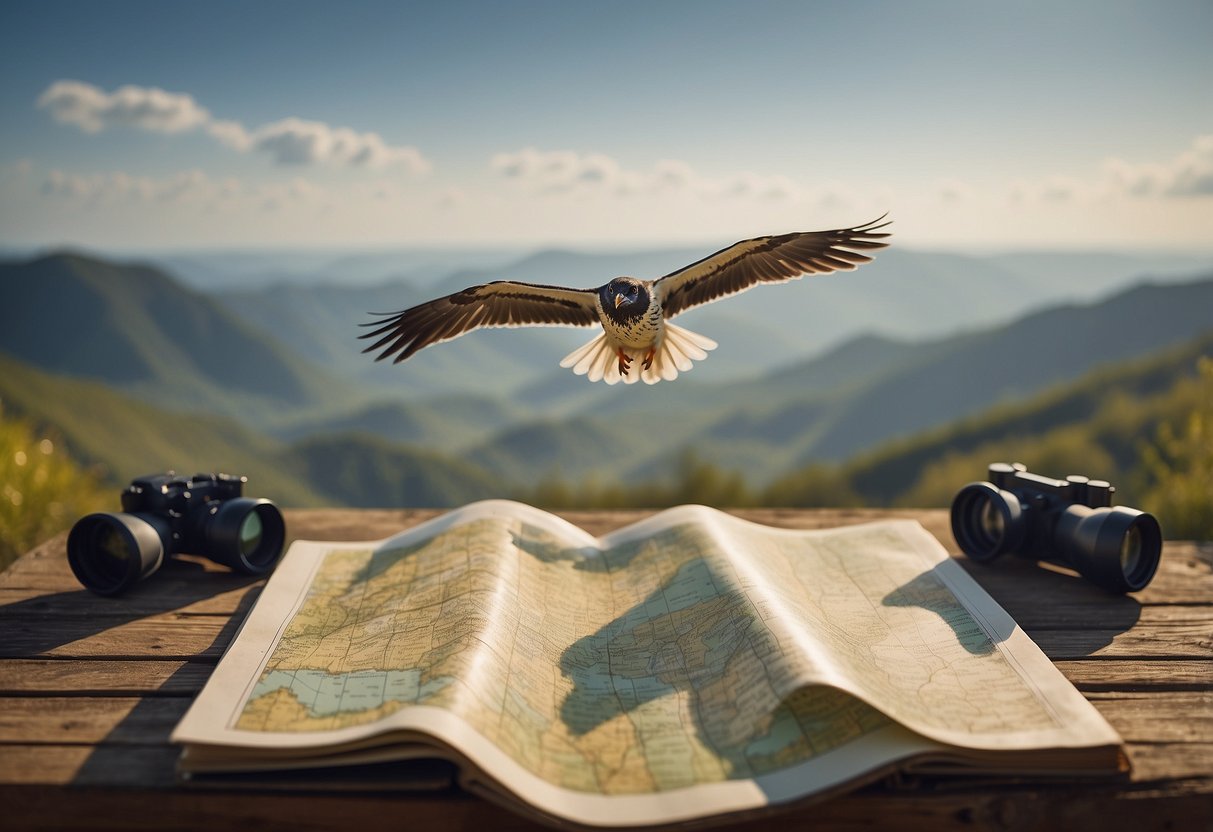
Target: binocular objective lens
(1130,551)
(110,555)
(991,522)
(251,533)
(248,535)
(986,522)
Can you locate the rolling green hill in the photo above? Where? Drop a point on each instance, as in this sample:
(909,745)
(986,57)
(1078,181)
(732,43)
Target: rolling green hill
(367,472)
(322,324)
(448,424)
(1102,425)
(138,330)
(121,438)
(126,437)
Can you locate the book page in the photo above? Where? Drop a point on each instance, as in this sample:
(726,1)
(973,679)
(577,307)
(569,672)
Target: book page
(669,658)
(882,611)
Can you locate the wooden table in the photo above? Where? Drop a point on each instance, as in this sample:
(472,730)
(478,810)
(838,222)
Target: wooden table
(90,689)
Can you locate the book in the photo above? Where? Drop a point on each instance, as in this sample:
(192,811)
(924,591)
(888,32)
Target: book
(690,667)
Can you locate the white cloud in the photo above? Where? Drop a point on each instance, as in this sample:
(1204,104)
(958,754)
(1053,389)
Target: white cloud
(564,171)
(955,190)
(451,198)
(1053,189)
(103,188)
(755,186)
(290,141)
(230,134)
(294,141)
(186,187)
(148,108)
(555,170)
(1188,174)
(296,193)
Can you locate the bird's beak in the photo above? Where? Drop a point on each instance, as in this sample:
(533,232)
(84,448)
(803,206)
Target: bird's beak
(618,300)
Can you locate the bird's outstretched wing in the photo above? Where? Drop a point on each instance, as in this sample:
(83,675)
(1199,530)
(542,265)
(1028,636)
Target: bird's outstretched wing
(501,303)
(775,259)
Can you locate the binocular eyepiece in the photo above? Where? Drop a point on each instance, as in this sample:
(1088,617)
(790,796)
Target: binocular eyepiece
(1070,522)
(163,515)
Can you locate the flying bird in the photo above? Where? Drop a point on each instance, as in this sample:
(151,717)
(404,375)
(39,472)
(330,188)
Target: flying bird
(634,314)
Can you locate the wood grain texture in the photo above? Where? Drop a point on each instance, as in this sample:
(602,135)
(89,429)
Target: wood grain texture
(90,689)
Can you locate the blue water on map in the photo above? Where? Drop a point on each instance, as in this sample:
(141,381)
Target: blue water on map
(325,694)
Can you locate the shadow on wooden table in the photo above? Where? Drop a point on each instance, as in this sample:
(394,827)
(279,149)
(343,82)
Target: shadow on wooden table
(63,623)
(1065,614)
(146,726)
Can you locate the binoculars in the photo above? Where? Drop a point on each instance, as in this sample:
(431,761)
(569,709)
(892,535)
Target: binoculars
(1070,522)
(163,515)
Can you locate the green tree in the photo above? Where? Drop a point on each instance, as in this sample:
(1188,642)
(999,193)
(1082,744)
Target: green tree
(699,481)
(1179,463)
(817,485)
(42,490)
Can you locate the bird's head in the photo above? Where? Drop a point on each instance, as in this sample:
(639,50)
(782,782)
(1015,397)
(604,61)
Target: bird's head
(623,294)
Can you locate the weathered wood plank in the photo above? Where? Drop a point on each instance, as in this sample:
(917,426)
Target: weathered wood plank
(1184,576)
(152,766)
(1173,765)
(1047,612)
(69,677)
(72,720)
(1022,808)
(1138,675)
(1152,637)
(1185,716)
(169,637)
(216,594)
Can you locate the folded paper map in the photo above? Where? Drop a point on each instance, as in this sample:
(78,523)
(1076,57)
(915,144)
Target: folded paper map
(687,667)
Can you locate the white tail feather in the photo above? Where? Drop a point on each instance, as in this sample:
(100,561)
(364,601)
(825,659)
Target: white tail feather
(679,349)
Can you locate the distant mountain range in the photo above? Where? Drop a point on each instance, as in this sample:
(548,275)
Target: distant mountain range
(124,438)
(139,372)
(1096,425)
(137,329)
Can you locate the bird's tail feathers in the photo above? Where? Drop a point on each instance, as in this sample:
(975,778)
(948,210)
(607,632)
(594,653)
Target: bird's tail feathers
(679,349)
(595,360)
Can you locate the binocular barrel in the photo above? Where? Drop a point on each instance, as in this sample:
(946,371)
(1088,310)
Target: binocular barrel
(109,553)
(1115,547)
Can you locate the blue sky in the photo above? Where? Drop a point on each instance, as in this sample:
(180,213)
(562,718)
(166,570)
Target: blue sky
(977,125)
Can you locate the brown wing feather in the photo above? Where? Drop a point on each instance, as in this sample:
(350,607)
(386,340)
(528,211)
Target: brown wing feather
(501,303)
(775,259)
